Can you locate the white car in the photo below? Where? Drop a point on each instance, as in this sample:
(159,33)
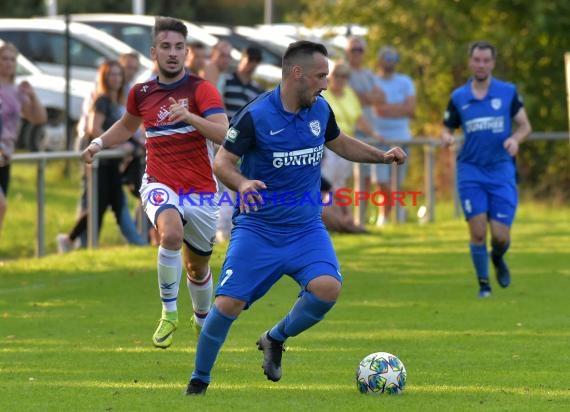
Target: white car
(43,40)
(272,43)
(136,31)
(335,38)
(239,40)
(51,91)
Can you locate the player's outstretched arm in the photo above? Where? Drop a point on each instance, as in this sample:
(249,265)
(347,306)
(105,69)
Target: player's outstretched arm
(358,151)
(120,132)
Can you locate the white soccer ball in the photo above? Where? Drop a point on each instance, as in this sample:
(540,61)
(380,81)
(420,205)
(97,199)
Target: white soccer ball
(381,372)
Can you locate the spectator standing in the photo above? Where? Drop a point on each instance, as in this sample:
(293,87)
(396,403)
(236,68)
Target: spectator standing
(108,106)
(196,58)
(130,167)
(17,102)
(215,71)
(350,118)
(393,116)
(486,108)
(362,80)
(239,88)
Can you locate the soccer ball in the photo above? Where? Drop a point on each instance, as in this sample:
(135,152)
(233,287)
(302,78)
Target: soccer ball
(381,372)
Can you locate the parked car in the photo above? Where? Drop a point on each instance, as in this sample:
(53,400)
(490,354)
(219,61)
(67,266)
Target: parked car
(269,54)
(51,91)
(136,31)
(42,41)
(272,43)
(334,37)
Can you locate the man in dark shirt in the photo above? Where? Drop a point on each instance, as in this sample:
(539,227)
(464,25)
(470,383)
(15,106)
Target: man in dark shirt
(240,88)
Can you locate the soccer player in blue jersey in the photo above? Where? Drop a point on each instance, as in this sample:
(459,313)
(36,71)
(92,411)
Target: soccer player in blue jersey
(279,137)
(486,108)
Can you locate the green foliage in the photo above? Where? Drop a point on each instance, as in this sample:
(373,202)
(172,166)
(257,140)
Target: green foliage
(231,12)
(76,330)
(23,8)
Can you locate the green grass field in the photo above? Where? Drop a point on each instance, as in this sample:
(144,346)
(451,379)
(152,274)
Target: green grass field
(75,330)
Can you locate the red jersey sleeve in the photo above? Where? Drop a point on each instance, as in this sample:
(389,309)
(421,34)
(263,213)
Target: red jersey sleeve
(132,106)
(208,99)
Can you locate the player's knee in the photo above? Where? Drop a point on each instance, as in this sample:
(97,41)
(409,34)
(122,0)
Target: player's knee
(478,237)
(500,240)
(229,306)
(170,239)
(197,270)
(326,288)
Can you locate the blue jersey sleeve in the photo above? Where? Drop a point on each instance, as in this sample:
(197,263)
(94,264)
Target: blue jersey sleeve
(451,118)
(332,131)
(240,136)
(516,104)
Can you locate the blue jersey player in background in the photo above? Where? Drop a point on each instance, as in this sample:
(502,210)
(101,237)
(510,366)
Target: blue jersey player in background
(279,137)
(486,108)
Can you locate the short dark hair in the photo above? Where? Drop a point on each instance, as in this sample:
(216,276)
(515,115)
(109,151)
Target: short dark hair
(482,44)
(252,53)
(301,50)
(168,24)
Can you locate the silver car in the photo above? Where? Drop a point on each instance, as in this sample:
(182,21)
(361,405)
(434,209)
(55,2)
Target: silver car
(43,40)
(135,30)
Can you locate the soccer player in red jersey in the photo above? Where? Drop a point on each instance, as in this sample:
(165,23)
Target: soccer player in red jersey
(183,116)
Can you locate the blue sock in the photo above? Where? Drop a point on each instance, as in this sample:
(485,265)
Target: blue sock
(498,250)
(210,341)
(307,311)
(480,258)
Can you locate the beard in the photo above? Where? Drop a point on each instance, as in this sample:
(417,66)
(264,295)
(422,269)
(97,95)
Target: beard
(481,78)
(306,101)
(389,69)
(169,74)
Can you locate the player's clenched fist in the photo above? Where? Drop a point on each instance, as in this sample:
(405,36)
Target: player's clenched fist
(94,147)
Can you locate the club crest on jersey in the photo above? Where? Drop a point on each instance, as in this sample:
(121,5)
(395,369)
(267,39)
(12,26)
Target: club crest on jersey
(315,127)
(158,197)
(496,104)
(163,114)
(232,135)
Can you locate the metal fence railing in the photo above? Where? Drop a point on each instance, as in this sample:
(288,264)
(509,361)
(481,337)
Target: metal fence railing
(42,159)
(429,145)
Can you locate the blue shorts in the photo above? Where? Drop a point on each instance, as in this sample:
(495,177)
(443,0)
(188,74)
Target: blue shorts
(257,258)
(498,200)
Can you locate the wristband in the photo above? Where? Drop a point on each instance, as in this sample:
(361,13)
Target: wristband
(98,141)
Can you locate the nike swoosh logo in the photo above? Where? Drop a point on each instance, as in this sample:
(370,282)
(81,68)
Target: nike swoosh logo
(274,132)
(160,340)
(501,215)
(465,106)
